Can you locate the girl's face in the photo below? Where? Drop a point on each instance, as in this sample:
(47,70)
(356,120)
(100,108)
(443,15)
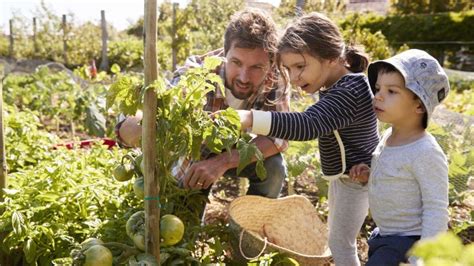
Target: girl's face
(306,71)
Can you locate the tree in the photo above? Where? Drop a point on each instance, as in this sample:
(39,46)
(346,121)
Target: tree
(210,19)
(429,6)
(329,7)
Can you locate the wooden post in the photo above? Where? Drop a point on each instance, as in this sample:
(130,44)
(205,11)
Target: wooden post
(152,184)
(173,37)
(5,258)
(299,7)
(3,161)
(64,40)
(104,65)
(11,39)
(35,43)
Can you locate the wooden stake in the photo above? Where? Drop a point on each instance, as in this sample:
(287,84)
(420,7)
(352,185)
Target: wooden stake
(104,65)
(3,161)
(64,40)
(11,39)
(35,43)
(152,184)
(299,7)
(173,38)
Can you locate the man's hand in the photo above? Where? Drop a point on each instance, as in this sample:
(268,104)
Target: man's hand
(360,173)
(202,174)
(131,131)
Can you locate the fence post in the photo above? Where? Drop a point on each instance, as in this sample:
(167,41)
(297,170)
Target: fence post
(3,162)
(173,37)
(35,43)
(11,48)
(64,40)
(104,65)
(152,183)
(299,7)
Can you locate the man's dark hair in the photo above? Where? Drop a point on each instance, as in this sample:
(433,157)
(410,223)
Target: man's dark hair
(252,28)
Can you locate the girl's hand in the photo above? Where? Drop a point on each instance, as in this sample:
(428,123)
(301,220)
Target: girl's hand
(246,119)
(360,173)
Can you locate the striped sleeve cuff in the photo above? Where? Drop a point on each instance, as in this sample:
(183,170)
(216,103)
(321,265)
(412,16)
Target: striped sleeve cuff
(262,122)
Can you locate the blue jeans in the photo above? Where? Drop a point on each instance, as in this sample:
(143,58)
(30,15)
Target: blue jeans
(389,250)
(271,186)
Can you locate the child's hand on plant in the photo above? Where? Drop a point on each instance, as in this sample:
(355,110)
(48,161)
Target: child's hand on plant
(360,173)
(246,118)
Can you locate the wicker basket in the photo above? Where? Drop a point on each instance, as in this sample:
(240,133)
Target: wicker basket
(289,225)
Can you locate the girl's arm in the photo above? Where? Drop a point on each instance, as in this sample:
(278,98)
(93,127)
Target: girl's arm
(337,109)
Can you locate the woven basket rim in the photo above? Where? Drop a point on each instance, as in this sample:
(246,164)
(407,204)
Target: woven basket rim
(326,253)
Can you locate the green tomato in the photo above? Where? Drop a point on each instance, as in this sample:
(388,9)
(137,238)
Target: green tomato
(98,255)
(143,259)
(139,187)
(122,173)
(135,229)
(142,166)
(138,163)
(88,243)
(171,229)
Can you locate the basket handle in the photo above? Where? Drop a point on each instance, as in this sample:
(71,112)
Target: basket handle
(242,252)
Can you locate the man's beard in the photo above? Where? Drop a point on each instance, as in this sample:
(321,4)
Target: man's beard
(243,95)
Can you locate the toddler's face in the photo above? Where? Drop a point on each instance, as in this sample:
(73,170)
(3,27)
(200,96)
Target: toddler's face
(393,102)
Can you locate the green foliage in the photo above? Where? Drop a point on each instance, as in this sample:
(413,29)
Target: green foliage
(199,28)
(444,249)
(460,156)
(246,153)
(126,52)
(26,144)
(62,200)
(126,89)
(441,27)
(182,124)
(375,44)
(54,95)
(209,20)
(287,8)
(4,45)
(431,6)
(460,102)
(84,43)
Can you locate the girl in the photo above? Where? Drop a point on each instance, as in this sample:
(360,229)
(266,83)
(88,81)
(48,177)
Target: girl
(315,58)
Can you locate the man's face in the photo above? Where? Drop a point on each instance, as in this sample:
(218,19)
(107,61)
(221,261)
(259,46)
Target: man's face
(246,70)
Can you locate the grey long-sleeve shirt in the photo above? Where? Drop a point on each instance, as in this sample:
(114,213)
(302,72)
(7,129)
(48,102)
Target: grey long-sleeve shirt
(408,188)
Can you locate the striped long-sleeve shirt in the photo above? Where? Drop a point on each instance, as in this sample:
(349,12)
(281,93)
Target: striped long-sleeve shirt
(346,107)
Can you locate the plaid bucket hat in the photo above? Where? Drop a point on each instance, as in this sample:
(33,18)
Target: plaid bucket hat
(423,75)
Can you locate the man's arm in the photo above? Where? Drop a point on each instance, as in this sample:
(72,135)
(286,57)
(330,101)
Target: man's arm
(204,173)
(129,131)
